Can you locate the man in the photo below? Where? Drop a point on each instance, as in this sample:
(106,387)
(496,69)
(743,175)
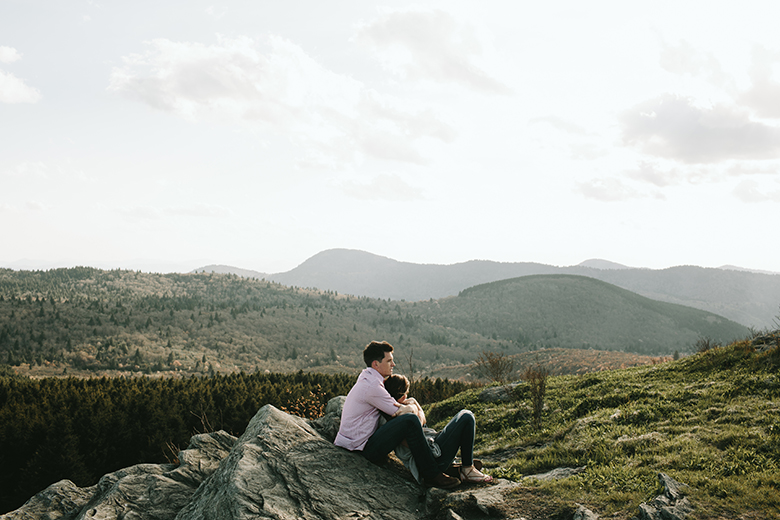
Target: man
(360,431)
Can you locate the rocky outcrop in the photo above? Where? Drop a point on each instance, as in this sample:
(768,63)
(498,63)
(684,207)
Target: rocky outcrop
(282,467)
(153,491)
(499,394)
(671,505)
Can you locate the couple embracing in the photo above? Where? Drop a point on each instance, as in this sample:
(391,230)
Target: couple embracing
(429,459)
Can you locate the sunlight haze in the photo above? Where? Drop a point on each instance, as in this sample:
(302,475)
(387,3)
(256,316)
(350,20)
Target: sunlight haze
(164,136)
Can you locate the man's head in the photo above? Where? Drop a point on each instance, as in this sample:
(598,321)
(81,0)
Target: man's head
(379,356)
(397,386)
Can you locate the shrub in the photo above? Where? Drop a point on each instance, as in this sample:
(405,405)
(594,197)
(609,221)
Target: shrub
(537,381)
(494,366)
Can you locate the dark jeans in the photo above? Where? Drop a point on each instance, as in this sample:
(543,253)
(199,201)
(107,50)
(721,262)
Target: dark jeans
(389,435)
(457,435)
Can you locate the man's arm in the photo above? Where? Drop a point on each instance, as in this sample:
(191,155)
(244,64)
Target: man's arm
(380,399)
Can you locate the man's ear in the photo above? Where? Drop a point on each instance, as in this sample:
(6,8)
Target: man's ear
(374,364)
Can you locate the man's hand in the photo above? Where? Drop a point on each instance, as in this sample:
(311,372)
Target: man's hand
(404,409)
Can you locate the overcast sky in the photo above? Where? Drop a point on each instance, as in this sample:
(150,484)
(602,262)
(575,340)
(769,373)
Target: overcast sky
(164,136)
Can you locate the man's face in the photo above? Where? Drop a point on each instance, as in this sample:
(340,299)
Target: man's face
(385,367)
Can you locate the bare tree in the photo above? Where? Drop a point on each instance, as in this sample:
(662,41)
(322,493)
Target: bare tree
(411,368)
(494,366)
(536,377)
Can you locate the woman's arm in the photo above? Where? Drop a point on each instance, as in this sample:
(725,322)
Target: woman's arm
(418,411)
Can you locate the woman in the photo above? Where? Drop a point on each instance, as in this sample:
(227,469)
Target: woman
(457,435)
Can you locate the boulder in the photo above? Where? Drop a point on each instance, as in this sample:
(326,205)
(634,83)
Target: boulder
(671,505)
(498,394)
(466,501)
(62,500)
(557,474)
(153,491)
(282,468)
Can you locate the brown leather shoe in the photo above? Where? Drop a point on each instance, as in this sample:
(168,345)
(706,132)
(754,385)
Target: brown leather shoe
(442,481)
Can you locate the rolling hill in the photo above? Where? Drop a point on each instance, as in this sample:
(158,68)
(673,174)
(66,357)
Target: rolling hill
(576,311)
(126,322)
(749,298)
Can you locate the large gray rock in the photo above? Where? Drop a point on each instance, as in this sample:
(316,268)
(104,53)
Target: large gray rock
(282,468)
(671,505)
(153,491)
(62,500)
(467,501)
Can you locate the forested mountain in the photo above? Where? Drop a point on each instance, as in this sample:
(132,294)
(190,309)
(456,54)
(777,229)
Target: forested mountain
(577,311)
(127,322)
(749,298)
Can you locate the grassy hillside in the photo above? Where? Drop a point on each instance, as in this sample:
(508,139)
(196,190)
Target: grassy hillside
(559,361)
(576,311)
(85,320)
(710,421)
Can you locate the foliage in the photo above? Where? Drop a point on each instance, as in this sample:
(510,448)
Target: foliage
(309,406)
(494,366)
(537,383)
(709,420)
(548,311)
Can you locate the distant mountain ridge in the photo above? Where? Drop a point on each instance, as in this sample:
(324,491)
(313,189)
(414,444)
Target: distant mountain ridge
(749,298)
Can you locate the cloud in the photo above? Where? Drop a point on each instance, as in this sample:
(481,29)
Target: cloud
(13,89)
(35,205)
(743,168)
(683,59)
(651,173)
(195,210)
(764,94)
(750,191)
(35,169)
(216,13)
(607,189)
(9,54)
(383,187)
(673,127)
(279,86)
(560,124)
(429,45)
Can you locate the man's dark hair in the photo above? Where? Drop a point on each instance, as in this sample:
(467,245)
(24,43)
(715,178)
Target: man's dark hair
(396,385)
(375,351)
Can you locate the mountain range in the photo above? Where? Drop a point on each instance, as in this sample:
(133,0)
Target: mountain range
(747,297)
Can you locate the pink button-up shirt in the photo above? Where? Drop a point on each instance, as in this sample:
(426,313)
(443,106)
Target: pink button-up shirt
(360,415)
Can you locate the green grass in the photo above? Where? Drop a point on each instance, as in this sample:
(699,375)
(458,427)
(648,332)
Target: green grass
(711,421)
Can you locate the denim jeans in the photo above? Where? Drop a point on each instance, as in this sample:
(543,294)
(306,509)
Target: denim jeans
(392,433)
(458,434)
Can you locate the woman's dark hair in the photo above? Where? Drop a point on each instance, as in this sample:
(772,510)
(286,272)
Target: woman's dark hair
(396,385)
(375,351)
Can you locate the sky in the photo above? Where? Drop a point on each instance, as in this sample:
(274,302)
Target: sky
(166,136)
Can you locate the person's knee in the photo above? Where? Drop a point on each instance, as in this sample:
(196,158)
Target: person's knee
(465,416)
(409,420)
